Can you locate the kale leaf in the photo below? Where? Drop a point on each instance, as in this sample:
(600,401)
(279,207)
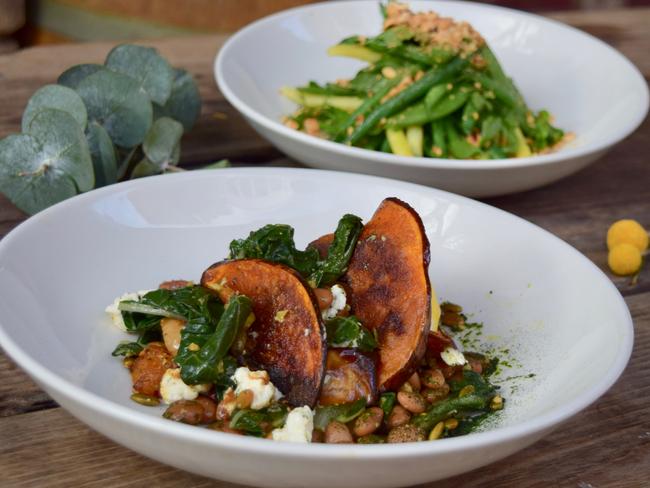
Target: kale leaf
(274,242)
(348,332)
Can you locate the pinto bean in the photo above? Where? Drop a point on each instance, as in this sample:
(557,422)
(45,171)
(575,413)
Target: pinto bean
(411,401)
(368,422)
(185,411)
(398,416)
(405,433)
(171,330)
(433,378)
(337,433)
(209,409)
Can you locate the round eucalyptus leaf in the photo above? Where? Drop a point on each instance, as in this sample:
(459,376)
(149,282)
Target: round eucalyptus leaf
(46,165)
(57,97)
(152,72)
(116,102)
(145,168)
(103,155)
(162,140)
(72,76)
(184,103)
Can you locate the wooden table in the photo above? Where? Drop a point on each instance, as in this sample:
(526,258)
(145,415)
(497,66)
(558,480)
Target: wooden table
(607,445)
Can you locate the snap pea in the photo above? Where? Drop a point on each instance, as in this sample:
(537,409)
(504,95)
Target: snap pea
(410,94)
(435,94)
(458,146)
(420,114)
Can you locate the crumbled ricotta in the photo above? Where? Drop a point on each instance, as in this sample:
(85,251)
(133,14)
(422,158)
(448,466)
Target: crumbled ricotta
(453,357)
(114,311)
(297,428)
(339,301)
(173,388)
(264,392)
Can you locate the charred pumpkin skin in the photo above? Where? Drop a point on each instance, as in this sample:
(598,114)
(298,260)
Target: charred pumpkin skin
(349,376)
(290,346)
(390,289)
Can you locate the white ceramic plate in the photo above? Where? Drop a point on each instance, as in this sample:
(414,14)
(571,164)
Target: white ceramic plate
(590,88)
(537,296)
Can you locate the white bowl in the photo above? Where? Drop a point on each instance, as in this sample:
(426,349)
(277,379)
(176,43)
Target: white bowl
(590,88)
(537,296)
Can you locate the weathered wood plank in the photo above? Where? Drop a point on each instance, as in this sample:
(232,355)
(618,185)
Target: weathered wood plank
(607,445)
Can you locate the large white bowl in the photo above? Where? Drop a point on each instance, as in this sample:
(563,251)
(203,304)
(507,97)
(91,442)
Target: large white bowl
(590,88)
(561,318)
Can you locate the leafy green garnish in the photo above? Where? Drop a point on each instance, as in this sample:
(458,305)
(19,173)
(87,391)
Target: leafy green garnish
(135,98)
(274,242)
(343,413)
(339,253)
(256,422)
(348,332)
(187,303)
(127,349)
(387,402)
(201,362)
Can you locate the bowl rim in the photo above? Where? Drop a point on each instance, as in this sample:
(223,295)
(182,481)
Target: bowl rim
(378,157)
(92,402)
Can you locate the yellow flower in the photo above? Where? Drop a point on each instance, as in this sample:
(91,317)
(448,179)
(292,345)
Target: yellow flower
(627,231)
(624,259)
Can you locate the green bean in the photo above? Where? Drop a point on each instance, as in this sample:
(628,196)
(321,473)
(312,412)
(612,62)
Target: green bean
(439,412)
(410,94)
(439,137)
(380,91)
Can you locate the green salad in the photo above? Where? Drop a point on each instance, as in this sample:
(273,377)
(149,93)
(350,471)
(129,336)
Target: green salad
(432,88)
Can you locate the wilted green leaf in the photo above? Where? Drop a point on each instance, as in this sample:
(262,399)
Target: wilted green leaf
(57,97)
(72,76)
(184,103)
(116,102)
(161,142)
(152,72)
(103,155)
(48,164)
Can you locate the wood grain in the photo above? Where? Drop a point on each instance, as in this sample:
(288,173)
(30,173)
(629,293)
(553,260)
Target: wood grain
(607,445)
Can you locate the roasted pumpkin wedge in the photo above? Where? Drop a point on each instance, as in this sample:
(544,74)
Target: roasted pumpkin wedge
(389,288)
(349,376)
(287,336)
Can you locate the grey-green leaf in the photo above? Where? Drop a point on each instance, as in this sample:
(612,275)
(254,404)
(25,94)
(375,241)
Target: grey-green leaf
(145,168)
(73,76)
(116,102)
(58,97)
(161,141)
(184,104)
(103,155)
(48,164)
(152,72)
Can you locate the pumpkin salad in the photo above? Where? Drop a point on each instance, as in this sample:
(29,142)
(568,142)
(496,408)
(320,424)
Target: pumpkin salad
(343,342)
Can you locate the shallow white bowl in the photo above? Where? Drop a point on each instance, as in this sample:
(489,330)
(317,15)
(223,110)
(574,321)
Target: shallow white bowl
(590,88)
(537,296)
